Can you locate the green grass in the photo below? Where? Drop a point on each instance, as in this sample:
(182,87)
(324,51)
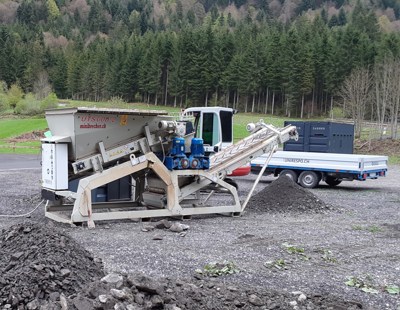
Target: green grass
(10,128)
(242,119)
(27,147)
(11,150)
(394,160)
(370,228)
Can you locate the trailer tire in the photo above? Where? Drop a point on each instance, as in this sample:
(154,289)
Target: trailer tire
(309,179)
(291,174)
(332,181)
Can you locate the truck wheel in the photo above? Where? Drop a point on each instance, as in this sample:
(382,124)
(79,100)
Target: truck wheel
(331,181)
(291,174)
(308,179)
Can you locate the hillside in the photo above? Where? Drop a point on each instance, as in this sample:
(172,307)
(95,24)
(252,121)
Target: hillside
(70,17)
(279,57)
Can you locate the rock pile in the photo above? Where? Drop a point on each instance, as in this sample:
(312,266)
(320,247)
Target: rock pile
(40,263)
(41,268)
(135,292)
(284,195)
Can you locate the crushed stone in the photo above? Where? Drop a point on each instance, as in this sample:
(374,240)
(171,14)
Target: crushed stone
(125,248)
(284,195)
(137,291)
(39,262)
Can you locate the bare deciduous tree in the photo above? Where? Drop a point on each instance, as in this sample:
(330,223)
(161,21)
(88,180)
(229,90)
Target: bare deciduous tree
(395,102)
(356,93)
(382,77)
(42,86)
(387,94)
(8,11)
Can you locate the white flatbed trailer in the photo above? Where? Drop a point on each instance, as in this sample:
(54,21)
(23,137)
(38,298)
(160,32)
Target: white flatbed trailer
(308,169)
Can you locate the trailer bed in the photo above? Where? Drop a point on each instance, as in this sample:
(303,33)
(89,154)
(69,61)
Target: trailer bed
(325,165)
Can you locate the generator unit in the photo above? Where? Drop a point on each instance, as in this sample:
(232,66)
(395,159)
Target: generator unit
(321,137)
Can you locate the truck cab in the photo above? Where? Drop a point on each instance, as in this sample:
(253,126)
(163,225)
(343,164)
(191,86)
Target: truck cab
(215,126)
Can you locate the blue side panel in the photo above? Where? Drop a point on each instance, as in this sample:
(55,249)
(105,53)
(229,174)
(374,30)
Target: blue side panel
(370,174)
(314,169)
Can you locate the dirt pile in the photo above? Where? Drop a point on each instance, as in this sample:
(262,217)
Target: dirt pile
(30,136)
(284,195)
(40,263)
(388,147)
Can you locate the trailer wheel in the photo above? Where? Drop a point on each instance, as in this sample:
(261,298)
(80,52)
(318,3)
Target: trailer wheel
(291,174)
(308,179)
(331,181)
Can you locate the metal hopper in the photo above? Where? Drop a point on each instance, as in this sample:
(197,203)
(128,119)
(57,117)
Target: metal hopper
(87,127)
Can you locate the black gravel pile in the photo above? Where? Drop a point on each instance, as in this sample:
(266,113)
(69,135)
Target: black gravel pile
(134,292)
(284,195)
(40,263)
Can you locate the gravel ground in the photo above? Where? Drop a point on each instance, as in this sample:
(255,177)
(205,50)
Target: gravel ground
(314,253)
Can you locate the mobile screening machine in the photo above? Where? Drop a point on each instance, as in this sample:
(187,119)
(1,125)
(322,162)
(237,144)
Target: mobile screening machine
(167,163)
(309,168)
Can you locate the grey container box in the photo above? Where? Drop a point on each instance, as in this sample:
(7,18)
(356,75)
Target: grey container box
(119,190)
(322,137)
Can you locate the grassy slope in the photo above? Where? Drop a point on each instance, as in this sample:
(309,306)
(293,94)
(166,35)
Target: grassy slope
(11,128)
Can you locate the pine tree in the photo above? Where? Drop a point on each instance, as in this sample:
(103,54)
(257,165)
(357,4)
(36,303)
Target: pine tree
(365,21)
(75,65)
(333,21)
(53,10)
(59,75)
(175,80)
(274,66)
(342,19)
(150,69)
(324,16)
(129,80)
(7,50)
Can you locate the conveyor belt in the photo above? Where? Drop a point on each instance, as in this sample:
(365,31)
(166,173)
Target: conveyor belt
(250,147)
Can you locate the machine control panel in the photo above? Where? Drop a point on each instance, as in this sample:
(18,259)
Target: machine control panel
(55,166)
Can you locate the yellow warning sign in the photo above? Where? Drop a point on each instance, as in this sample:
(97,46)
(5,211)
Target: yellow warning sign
(124,120)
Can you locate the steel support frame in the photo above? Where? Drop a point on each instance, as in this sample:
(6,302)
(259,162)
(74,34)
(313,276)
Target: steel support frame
(260,143)
(83,211)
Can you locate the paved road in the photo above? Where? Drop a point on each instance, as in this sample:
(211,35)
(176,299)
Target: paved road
(19,162)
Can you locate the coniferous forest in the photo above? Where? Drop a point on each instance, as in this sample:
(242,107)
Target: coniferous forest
(293,58)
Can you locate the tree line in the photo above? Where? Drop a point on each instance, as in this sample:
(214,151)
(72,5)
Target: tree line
(295,69)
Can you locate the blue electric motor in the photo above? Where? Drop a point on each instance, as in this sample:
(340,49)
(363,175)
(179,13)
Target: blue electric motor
(197,147)
(178,147)
(197,160)
(177,158)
